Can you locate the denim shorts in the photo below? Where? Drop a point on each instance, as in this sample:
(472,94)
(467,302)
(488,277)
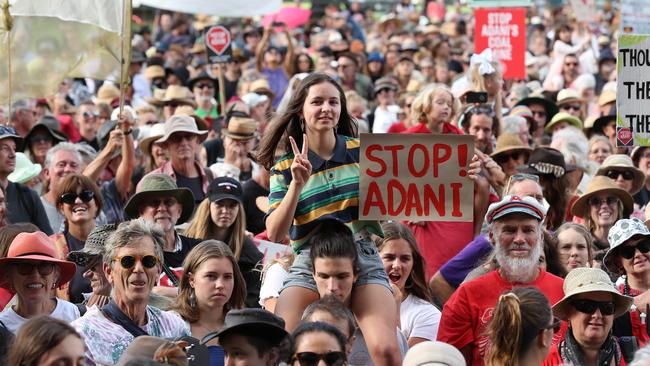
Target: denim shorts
(371,268)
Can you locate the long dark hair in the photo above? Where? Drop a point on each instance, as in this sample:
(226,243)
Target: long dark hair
(289,123)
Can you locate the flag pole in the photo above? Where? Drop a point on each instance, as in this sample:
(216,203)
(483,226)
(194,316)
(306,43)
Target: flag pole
(8,24)
(125,50)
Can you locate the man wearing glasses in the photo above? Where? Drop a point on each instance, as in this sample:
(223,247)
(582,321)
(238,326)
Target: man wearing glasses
(515,230)
(159,201)
(351,79)
(204,88)
(86,122)
(132,262)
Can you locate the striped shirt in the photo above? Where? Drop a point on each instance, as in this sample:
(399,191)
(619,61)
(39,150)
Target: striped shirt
(332,191)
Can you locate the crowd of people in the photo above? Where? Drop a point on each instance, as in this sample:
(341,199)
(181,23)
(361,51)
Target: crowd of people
(131,235)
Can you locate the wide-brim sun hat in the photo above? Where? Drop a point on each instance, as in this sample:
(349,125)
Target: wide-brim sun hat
(156,185)
(507,142)
(550,107)
(602,184)
(624,163)
(155,133)
(563,117)
(546,161)
(181,123)
(622,231)
(588,280)
(25,170)
(35,246)
(253,321)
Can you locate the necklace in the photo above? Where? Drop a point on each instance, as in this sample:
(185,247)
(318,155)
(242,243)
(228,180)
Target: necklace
(626,292)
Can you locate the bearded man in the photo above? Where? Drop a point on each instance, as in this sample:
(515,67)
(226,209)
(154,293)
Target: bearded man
(515,230)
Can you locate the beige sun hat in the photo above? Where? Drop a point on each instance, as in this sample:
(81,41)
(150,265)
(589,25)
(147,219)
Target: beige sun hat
(107,93)
(173,93)
(622,231)
(623,162)
(602,184)
(587,280)
(566,96)
(156,132)
(606,97)
(510,142)
(179,123)
(241,128)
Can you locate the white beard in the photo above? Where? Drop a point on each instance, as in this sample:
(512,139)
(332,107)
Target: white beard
(518,269)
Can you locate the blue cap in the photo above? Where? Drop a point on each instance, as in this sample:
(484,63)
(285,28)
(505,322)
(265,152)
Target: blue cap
(375,57)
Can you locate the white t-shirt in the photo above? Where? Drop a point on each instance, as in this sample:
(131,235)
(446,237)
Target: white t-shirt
(419,318)
(384,118)
(273,281)
(64,310)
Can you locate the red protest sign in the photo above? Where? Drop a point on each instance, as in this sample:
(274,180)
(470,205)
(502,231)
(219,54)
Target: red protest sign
(218,42)
(420,177)
(504,31)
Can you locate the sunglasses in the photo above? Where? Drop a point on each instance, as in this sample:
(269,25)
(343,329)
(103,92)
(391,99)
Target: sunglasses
(628,251)
(71,197)
(556,325)
(173,104)
(204,86)
(312,358)
(43,268)
(90,114)
(169,202)
(504,158)
(575,107)
(614,174)
(597,201)
(178,137)
(590,306)
(128,261)
(38,139)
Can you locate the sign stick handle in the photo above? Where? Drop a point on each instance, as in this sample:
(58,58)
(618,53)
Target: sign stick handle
(8,24)
(222,89)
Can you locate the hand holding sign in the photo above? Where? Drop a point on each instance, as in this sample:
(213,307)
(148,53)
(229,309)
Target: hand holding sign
(301,167)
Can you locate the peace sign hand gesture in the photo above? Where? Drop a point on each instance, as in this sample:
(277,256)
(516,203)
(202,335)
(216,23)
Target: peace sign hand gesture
(300,167)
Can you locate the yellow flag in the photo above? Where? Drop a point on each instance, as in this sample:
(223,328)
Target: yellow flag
(50,40)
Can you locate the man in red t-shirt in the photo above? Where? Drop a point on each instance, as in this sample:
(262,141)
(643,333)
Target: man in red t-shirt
(515,229)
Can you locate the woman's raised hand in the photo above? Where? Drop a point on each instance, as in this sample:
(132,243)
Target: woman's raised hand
(301,167)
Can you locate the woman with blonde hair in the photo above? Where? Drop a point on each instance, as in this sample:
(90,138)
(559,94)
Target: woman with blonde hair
(522,328)
(211,286)
(221,217)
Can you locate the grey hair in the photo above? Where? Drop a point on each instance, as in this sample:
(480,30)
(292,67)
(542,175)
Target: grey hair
(573,144)
(641,356)
(67,146)
(513,124)
(129,233)
(18,106)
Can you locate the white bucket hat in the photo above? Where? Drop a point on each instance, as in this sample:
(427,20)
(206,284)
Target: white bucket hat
(180,123)
(622,231)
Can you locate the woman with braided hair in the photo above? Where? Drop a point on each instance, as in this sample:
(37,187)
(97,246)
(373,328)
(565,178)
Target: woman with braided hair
(522,328)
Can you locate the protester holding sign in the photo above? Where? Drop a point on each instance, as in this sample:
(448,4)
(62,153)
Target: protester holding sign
(319,183)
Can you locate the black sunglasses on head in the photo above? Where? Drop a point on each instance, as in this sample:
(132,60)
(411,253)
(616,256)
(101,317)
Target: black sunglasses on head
(590,306)
(628,251)
(70,197)
(312,358)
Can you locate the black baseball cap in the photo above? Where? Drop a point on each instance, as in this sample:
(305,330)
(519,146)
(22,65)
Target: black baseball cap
(222,188)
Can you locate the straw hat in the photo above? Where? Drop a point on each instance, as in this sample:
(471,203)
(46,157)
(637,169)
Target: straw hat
(154,71)
(153,185)
(566,96)
(173,93)
(241,128)
(25,170)
(107,93)
(587,280)
(623,162)
(622,231)
(262,86)
(38,247)
(602,184)
(433,353)
(510,142)
(155,133)
(563,117)
(606,97)
(390,18)
(178,123)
